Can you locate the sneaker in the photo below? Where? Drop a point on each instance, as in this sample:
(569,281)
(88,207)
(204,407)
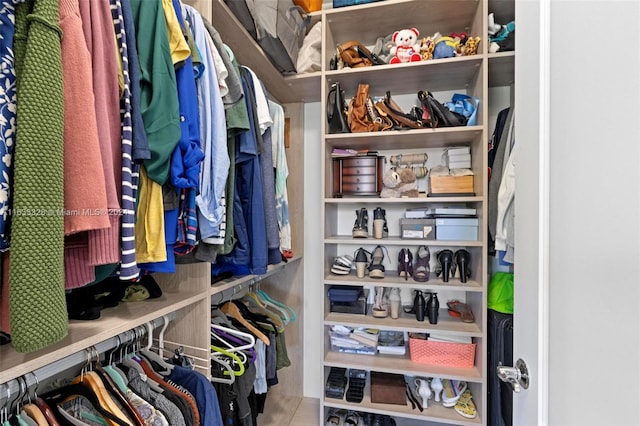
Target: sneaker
(361,225)
(380,229)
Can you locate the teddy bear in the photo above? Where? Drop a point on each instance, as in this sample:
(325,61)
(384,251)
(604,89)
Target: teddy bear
(406,48)
(399,182)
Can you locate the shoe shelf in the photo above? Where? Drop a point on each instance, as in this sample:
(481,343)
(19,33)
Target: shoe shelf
(397,241)
(435,412)
(391,279)
(402,201)
(407,322)
(467,74)
(399,364)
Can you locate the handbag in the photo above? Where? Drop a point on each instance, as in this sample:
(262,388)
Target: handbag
(336,110)
(358,116)
(354,55)
(438,115)
(391,109)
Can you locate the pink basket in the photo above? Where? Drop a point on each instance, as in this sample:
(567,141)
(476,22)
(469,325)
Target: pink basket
(442,353)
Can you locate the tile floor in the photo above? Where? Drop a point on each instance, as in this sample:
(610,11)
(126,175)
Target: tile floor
(285,410)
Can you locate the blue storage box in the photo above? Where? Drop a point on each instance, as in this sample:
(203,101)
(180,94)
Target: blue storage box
(457,229)
(342,3)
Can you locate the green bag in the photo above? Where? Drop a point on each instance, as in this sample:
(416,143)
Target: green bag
(501,292)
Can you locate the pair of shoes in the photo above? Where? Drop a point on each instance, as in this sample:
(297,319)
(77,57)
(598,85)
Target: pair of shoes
(361,225)
(460,310)
(376,268)
(448,262)
(405,263)
(342,265)
(383,420)
(362,261)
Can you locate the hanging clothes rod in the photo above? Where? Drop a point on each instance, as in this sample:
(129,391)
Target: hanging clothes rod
(78,358)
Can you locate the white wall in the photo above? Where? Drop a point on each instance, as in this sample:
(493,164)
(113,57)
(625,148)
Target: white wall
(594,213)
(313,255)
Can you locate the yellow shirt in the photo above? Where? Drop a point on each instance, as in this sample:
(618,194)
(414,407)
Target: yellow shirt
(149,228)
(177,43)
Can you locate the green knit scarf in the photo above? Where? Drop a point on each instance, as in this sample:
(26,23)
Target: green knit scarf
(36,273)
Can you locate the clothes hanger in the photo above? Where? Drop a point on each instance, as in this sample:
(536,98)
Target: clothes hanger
(275,302)
(231,355)
(229,347)
(236,340)
(159,364)
(95,382)
(228,373)
(282,312)
(230,308)
(256,306)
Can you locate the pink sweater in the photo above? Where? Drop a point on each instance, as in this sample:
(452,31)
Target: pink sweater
(97,23)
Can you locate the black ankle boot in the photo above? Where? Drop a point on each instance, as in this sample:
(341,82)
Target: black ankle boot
(462,261)
(361,226)
(445,262)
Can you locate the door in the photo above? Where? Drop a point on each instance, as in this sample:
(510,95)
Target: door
(532,210)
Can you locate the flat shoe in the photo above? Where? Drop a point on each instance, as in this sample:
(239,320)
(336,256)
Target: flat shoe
(466,315)
(465,406)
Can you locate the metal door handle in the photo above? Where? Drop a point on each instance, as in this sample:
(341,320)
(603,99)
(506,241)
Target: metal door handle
(517,376)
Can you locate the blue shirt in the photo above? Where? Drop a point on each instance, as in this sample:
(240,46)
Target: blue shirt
(213,132)
(203,392)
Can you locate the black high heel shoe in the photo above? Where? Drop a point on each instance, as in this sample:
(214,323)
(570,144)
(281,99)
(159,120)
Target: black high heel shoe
(462,261)
(445,263)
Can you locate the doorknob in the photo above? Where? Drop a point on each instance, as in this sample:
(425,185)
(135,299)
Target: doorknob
(517,376)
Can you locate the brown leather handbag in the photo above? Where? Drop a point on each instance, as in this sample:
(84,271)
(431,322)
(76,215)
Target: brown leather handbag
(354,54)
(358,114)
(389,107)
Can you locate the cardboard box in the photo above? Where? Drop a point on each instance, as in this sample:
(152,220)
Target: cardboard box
(417,229)
(388,388)
(457,229)
(451,184)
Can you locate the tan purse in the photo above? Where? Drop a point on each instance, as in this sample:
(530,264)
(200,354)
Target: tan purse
(354,54)
(358,115)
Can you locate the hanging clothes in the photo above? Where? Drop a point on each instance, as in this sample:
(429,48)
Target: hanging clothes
(249,255)
(159,98)
(130,170)
(282,173)
(104,244)
(213,132)
(8,116)
(36,275)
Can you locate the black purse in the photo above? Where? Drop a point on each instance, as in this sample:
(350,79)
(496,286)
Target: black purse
(438,115)
(337,110)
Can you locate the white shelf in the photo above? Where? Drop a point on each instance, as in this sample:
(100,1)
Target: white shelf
(391,279)
(407,322)
(397,241)
(399,364)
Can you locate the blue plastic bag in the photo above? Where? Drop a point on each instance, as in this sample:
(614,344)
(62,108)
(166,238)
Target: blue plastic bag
(465,105)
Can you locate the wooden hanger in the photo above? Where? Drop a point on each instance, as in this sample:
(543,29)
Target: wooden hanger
(230,308)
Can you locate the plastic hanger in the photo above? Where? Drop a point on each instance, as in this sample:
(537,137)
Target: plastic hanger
(229,373)
(159,365)
(275,302)
(236,340)
(278,310)
(231,355)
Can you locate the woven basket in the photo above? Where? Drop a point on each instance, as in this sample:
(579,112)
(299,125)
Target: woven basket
(442,353)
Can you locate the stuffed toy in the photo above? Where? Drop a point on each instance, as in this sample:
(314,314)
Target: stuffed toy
(446,47)
(400,182)
(406,48)
(426,48)
(471,46)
